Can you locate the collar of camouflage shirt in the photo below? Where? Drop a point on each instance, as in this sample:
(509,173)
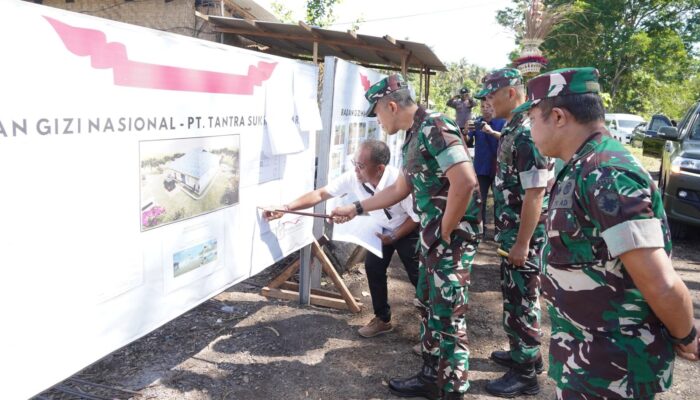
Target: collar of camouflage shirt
(585,149)
(418,118)
(512,125)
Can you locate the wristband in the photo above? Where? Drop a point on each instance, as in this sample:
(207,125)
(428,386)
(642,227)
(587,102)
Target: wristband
(684,341)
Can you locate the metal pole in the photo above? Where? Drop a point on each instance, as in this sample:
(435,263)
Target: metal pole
(223,11)
(310,272)
(305,276)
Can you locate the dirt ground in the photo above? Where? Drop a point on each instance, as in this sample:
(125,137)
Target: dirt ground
(240,345)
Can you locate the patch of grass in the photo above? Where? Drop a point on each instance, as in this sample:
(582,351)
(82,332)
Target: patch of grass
(179,205)
(651,164)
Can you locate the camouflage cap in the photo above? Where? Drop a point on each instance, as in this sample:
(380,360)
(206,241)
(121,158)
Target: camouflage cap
(560,82)
(497,79)
(382,88)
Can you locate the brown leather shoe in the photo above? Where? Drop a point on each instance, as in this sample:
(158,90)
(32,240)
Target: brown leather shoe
(375,327)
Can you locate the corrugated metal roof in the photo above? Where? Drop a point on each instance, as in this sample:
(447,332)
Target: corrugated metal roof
(251,9)
(297,41)
(195,163)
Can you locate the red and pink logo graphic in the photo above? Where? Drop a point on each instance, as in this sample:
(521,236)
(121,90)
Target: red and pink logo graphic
(103,55)
(365,82)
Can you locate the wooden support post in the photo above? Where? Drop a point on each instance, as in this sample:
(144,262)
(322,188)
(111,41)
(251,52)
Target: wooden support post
(285,274)
(316,53)
(420,85)
(281,288)
(427,86)
(317,300)
(333,274)
(319,292)
(404,65)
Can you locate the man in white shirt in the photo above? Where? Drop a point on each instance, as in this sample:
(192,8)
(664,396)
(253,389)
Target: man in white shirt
(399,224)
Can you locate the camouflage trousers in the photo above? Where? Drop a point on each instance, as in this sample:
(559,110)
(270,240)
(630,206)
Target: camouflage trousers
(565,394)
(520,287)
(442,295)
(626,362)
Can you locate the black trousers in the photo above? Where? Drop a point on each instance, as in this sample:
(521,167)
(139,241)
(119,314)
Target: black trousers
(485,182)
(376,268)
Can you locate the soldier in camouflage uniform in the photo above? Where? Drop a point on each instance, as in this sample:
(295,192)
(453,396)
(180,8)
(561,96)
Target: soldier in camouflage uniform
(617,307)
(437,169)
(521,191)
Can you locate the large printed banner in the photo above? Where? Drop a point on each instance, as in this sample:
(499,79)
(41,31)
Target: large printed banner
(133,163)
(349,127)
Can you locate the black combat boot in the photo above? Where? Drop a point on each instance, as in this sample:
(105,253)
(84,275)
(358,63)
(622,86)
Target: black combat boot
(520,379)
(503,358)
(423,384)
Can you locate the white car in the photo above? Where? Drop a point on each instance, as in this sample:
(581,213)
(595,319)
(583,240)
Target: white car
(622,125)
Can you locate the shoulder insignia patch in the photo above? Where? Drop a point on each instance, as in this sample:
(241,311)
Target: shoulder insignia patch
(608,202)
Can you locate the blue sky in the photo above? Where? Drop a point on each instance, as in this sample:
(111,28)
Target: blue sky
(192,252)
(453,29)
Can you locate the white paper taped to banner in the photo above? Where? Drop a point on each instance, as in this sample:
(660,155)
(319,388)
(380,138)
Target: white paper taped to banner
(132,184)
(281,129)
(306,102)
(350,127)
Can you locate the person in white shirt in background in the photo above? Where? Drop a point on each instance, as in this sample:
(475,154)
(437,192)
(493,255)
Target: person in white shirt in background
(399,224)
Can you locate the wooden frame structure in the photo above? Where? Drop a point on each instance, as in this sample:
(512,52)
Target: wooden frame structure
(281,288)
(310,43)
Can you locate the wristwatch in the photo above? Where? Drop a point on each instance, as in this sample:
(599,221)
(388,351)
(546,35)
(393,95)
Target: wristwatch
(684,341)
(358,208)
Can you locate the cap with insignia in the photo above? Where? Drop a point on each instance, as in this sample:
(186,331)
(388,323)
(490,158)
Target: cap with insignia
(497,79)
(382,88)
(560,82)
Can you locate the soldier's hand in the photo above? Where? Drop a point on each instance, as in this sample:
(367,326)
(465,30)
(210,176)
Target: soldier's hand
(446,237)
(343,214)
(270,214)
(691,352)
(386,239)
(518,254)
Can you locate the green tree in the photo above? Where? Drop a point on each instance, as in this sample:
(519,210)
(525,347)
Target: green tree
(318,12)
(282,13)
(672,99)
(444,85)
(642,48)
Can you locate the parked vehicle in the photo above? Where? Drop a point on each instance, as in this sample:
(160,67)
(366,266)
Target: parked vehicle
(679,177)
(622,125)
(650,129)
